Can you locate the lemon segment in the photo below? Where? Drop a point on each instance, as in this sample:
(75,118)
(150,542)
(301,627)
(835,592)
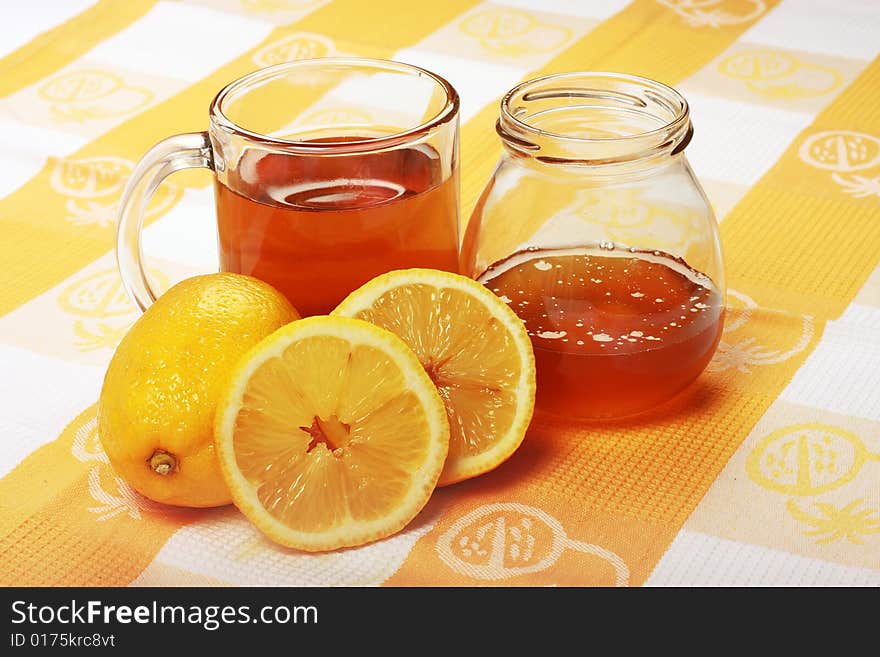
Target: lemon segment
(475,350)
(330,434)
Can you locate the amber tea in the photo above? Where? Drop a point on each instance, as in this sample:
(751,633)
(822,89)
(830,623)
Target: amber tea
(317,227)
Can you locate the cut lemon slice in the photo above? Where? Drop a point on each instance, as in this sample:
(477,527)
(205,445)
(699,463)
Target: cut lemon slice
(474,348)
(330,434)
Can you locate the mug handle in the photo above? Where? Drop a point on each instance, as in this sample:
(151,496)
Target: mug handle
(185,151)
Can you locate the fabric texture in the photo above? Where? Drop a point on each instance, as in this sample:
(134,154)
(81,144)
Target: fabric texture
(763,473)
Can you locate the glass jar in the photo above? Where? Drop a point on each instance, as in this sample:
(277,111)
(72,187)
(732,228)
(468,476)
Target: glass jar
(595,231)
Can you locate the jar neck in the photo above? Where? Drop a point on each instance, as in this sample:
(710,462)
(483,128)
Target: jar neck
(602,120)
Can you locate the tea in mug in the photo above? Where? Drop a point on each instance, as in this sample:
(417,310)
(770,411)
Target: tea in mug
(318,227)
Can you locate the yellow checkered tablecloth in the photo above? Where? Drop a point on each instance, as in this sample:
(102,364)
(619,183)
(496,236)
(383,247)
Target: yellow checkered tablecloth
(765,473)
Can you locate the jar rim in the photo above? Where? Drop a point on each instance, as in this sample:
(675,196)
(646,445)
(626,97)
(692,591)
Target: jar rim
(639,95)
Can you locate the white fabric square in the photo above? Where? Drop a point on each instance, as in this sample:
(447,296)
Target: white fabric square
(383,94)
(187,233)
(697,559)
(478,83)
(26,148)
(181,41)
(27,20)
(842,375)
(738,142)
(41,396)
(821,26)
(213,546)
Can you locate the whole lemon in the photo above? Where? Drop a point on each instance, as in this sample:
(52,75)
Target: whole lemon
(157,405)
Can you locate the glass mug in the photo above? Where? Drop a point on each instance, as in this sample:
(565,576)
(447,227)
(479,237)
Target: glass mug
(327,172)
(595,231)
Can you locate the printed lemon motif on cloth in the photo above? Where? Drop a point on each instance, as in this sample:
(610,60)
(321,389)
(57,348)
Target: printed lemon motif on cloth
(94,186)
(628,216)
(801,487)
(300,45)
(756,336)
(843,152)
(112,497)
(779,75)
(806,460)
(102,308)
(510,36)
(502,540)
(851,522)
(88,94)
(87,443)
(513,33)
(81,86)
(716,13)
(758,65)
(83,503)
(90,177)
(100,295)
